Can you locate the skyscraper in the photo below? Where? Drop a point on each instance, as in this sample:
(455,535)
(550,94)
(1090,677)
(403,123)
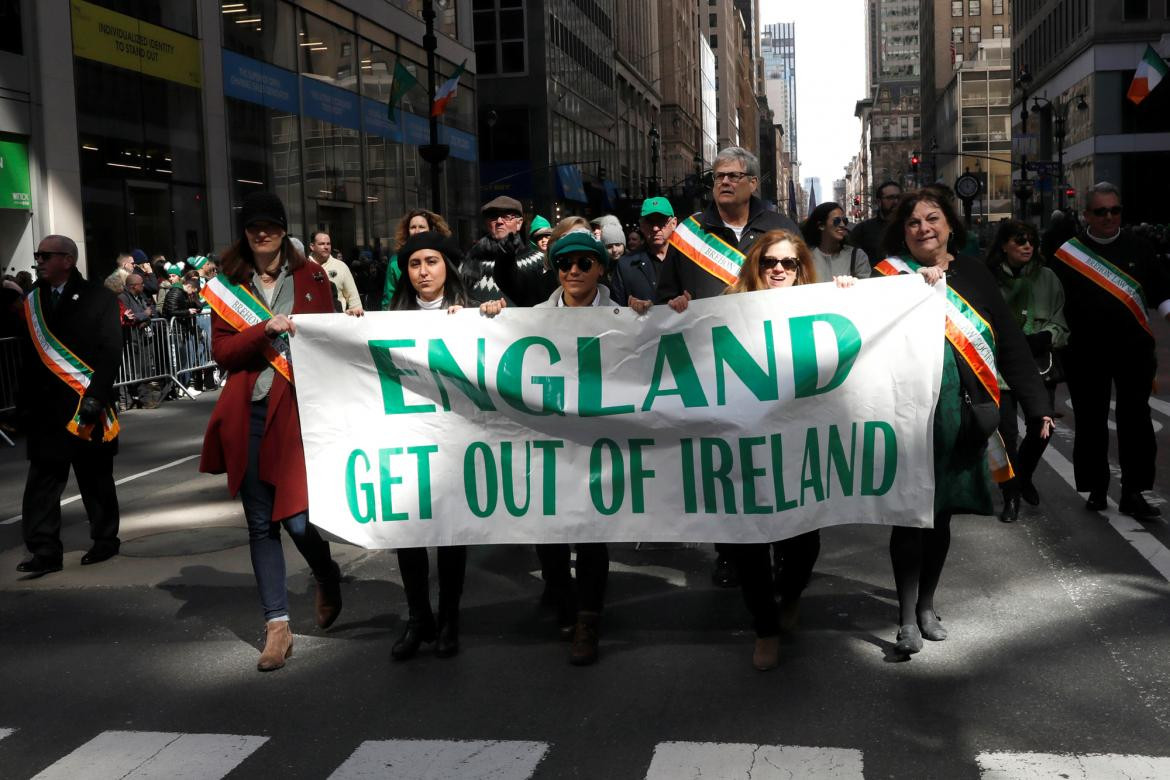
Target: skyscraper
(892,79)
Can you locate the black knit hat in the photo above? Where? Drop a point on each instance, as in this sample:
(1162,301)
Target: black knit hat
(262,207)
(429,240)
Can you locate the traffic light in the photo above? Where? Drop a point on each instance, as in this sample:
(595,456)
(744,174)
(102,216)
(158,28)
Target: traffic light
(1070,192)
(914,164)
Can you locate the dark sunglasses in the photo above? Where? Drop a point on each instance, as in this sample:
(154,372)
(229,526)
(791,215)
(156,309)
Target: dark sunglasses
(839,221)
(1115,211)
(1021,240)
(787,263)
(46,255)
(566,263)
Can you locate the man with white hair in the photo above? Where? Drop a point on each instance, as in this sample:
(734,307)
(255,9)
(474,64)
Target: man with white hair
(70,414)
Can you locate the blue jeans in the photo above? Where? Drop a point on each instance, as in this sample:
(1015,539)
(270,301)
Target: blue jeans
(264,534)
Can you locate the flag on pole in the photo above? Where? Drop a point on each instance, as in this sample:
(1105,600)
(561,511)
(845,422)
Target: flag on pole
(1150,72)
(445,93)
(401,83)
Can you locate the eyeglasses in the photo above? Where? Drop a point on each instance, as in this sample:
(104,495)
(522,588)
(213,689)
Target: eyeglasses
(46,255)
(732,176)
(565,263)
(1115,211)
(840,221)
(503,218)
(1022,241)
(787,263)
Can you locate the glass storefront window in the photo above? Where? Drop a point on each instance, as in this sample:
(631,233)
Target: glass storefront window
(327,52)
(376,66)
(265,155)
(261,29)
(333,183)
(384,192)
(446,14)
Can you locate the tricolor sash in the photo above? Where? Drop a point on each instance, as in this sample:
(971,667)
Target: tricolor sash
(974,339)
(1077,256)
(240,308)
(68,367)
(709,252)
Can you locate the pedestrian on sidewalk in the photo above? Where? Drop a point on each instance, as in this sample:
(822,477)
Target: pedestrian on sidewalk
(1035,297)
(254,434)
(983,340)
(69,414)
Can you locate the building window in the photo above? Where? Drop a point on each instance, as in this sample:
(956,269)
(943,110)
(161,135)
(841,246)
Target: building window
(714,41)
(973,8)
(499,36)
(976,34)
(956,35)
(713,20)
(956,7)
(1136,10)
(997,31)
(997,7)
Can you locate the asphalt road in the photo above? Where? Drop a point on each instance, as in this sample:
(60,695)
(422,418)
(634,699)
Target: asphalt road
(1058,662)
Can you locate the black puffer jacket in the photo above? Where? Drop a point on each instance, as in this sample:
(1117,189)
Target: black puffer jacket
(177,302)
(523,283)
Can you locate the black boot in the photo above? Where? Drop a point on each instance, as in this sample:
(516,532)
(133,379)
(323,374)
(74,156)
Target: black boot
(418,630)
(448,643)
(1011,507)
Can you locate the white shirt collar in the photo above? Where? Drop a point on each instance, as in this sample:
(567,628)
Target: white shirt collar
(437,303)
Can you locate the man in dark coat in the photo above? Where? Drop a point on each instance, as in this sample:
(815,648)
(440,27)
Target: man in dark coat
(1111,345)
(738,217)
(83,317)
(868,235)
(526,282)
(636,274)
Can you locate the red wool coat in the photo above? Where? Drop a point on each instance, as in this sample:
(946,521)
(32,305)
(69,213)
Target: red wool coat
(225,444)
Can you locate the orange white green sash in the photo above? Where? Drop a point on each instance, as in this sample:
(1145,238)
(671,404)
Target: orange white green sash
(709,252)
(974,339)
(66,366)
(240,308)
(1077,256)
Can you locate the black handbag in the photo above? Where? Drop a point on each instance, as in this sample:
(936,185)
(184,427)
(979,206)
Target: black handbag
(1051,368)
(977,421)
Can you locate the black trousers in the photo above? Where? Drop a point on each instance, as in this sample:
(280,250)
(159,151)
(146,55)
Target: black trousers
(414,564)
(1092,375)
(753,563)
(41,508)
(1025,455)
(592,572)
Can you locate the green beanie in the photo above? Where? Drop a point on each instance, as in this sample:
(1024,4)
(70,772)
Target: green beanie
(538,225)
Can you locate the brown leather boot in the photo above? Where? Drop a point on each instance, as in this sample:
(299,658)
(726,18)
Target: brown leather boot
(584,651)
(278,646)
(328,602)
(767,653)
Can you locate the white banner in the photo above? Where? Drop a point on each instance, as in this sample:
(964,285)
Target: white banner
(748,417)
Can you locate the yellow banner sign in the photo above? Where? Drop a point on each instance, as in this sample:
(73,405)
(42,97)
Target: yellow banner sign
(116,39)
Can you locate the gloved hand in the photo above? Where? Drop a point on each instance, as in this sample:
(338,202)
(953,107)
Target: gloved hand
(90,412)
(1040,342)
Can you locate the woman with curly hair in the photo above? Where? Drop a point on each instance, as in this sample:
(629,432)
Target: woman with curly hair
(416,221)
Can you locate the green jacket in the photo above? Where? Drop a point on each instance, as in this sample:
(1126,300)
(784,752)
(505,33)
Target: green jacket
(393,276)
(1035,296)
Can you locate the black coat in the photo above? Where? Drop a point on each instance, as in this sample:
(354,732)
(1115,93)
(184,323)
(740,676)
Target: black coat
(868,236)
(1098,322)
(679,272)
(86,321)
(510,268)
(177,303)
(972,279)
(636,274)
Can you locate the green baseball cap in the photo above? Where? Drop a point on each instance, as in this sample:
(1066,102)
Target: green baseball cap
(580,242)
(657,206)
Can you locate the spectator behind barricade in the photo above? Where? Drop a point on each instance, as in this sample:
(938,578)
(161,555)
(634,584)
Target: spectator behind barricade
(825,232)
(320,248)
(635,242)
(137,310)
(182,300)
(416,221)
(11,300)
(503,219)
(539,233)
(612,236)
(143,268)
(116,281)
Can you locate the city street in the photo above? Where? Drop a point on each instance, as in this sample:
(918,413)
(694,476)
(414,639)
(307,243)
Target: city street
(1057,664)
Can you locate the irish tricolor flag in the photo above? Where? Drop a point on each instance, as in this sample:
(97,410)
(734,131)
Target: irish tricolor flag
(1150,72)
(445,93)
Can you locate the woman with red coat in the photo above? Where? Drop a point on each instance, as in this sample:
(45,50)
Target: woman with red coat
(254,434)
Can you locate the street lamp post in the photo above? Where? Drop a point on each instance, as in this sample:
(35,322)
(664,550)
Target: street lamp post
(654,138)
(433,153)
(1059,110)
(1024,187)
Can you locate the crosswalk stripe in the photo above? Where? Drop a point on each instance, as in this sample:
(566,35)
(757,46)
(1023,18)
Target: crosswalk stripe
(138,755)
(432,759)
(729,761)
(1024,766)
(5,732)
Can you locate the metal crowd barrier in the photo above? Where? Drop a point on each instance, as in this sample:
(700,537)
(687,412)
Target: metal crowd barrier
(164,349)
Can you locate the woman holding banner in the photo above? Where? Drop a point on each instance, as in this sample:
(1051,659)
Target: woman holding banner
(983,342)
(779,259)
(254,434)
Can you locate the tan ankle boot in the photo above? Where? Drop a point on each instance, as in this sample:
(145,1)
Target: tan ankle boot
(278,646)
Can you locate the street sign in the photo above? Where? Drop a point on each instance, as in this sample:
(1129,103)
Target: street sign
(1044,167)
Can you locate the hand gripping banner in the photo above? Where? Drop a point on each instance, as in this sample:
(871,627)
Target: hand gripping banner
(746,418)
